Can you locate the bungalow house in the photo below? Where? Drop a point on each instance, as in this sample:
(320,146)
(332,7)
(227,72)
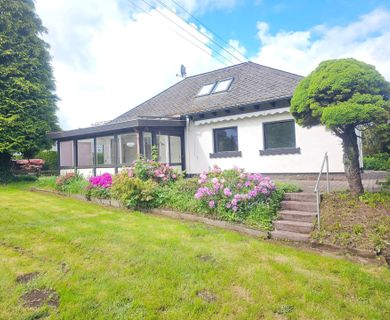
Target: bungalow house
(235,116)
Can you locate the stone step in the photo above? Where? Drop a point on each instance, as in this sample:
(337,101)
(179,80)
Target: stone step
(293,226)
(300,196)
(299,206)
(293,215)
(291,236)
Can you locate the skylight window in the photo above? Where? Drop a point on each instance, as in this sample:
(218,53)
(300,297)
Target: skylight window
(206,89)
(223,85)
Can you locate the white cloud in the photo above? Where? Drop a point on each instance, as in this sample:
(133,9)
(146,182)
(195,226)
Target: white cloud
(108,57)
(367,39)
(107,60)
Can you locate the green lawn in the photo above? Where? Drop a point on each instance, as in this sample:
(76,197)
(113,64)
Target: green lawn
(113,264)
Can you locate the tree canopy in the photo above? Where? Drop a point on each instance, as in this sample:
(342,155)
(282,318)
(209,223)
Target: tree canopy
(343,95)
(27,87)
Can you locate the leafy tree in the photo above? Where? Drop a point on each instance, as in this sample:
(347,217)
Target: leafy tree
(344,95)
(27,98)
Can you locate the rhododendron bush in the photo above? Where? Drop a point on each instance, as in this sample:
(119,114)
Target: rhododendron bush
(233,192)
(153,170)
(99,186)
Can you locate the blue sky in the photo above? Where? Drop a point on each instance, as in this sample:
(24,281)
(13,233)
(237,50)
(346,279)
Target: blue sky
(239,22)
(110,55)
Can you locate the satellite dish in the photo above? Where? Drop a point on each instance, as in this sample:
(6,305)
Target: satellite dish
(183,72)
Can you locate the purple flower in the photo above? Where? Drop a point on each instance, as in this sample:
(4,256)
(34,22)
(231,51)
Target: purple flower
(234,208)
(227,192)
(212,204)
(214,180)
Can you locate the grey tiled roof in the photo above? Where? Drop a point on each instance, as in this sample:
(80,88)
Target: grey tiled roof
(252,83)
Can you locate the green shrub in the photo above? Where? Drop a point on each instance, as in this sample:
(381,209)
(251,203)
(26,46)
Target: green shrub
(133,192)
(24,178)
(149,169)
(379,161)
(97,192)
(71,183)
(46,183)
(179,196)
(50,158)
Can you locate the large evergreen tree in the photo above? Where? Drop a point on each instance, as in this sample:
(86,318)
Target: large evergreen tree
(344,95)
(27,97)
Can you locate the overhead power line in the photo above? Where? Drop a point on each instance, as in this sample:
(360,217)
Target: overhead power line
(209,29)
(204,34)
(186,31)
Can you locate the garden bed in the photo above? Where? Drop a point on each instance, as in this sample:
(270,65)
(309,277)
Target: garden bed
(231,195)
(358,225)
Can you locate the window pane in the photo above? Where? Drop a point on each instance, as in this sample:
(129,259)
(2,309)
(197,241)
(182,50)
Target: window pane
(279,135)
(66,154)
(85,153)
(163,148)
(205,89)
(147,142)
(223,85)
(175,146)
(105,150)
(225,139)
(128,147)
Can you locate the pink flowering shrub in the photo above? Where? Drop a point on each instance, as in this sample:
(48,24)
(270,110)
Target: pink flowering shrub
(232,192)
(103,181)
(99,186)
(153,170)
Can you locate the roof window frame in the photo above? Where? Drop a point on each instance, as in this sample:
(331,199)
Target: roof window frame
(212,84)
(220,81)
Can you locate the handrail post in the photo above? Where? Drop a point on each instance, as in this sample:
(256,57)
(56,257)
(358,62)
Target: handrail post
(318,210)
(317,186)
(327,172)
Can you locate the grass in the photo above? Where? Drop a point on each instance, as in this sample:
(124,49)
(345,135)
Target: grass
(350,222)
(111,264)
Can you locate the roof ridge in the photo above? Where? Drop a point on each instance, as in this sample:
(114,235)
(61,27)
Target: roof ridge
(219,69)
(272,68)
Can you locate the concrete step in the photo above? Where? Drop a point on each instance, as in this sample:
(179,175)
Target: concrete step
(300,196)
(293,215)
(291,236)
(293,226)
(299,206)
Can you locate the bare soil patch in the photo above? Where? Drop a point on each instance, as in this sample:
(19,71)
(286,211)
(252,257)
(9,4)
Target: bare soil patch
(27,277)
(38,297)
(207,296)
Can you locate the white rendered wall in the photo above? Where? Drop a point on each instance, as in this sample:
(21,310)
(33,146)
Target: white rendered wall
(86,173)
(100,171)
(65,171)
(313,143)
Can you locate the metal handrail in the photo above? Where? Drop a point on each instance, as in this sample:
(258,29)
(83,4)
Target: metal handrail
(317,189)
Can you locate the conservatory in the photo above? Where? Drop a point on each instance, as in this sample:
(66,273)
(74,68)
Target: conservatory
(110,147)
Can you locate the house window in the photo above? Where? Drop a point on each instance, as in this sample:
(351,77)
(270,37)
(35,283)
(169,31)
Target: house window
(105,150)
(225,139)
(163,147)
(66,154)
(279,135)
(223,85)
(206,89)
(85,153)
(128,147)
(147,144)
